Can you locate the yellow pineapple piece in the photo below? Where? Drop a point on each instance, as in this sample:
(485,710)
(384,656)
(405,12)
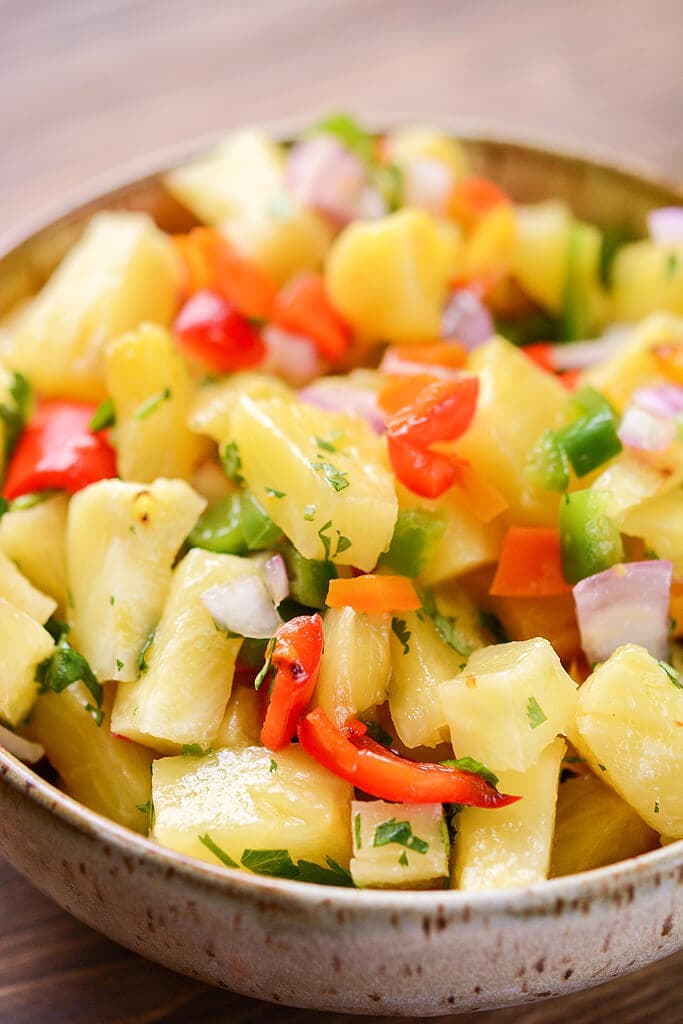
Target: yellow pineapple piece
(635,365)
(658,523)
(122,271)
(634,478)
(490,247)
(355,666)
(122,539)
(628,718)
(151,391)
(111,776)
(594,827)
(399,846)
(250,799)
(180,697)
(552,617)
(35,540)
(24,644)
(509,703)
(517,403)
(214,403)
(321,476)
(389,277)
(510,847)
(16,589)
(406,145)
(646,278)
(241,725)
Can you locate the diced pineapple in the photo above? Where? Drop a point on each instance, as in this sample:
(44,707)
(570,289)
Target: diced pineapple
(250,799)
(110,775)
(420,662)
(151,391)
(16,589)
(399,846)
(646,278)
(552,617)
(509,704)
(594,827)
(24,644)
(337,495)
(490,247)
(35,539)
(406,145)
(660,524)
(628,721)
(634,478)
(213,404)
(355,666)
(122,539)
(635,365)
(121,272)
(241,187)
(241,724)
(181,697)
(510,847)
(517,403)
(389,277)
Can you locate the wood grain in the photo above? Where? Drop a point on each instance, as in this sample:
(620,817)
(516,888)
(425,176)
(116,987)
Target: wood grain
(89,84)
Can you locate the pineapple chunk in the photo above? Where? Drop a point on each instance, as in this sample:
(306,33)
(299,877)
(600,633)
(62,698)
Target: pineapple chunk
(122,539)
(631,479)
(24,644)
(517,403)
(594,827)
(151,390)
(389,277)
(407,145)
(249,799)
(509,704)
(355,666)
(122,271)
(399,846)
(181,697)
(647,277)
(16,589)
(490,247)
(658,522)
(510,847)
(338,495)
(35,539)
(553,617)
(241,724)
(635,365)
(628,722)
(214,404)
(241,187)
(109,775)
(420,662)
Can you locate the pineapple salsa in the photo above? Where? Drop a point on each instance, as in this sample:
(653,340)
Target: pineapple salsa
(341,535)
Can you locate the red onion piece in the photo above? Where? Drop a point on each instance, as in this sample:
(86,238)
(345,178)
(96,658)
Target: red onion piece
(277,580)
(466,319)
(666,225)
(428,184)
(26,751)
(661,400)
(345,398)
(640,429)
(291,356)
(579,355)
(243,606)
(625,604)
(323,175)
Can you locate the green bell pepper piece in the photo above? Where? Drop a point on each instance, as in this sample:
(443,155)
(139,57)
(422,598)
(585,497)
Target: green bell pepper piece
(233,526)
(589,539)
(309,578)
(415,534)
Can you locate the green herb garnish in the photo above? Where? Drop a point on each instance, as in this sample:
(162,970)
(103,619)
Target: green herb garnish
(356,831)
(232,463)
(104,417)
(535,713)
(336,478)
(401,832)
(400,629)
(671,673)
(142,656)
(470,764)
(267,665)
(215,849)
(276,863)
(272,493)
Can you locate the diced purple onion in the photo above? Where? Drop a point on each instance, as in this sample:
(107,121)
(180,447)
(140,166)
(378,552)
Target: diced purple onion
(580,355)
(466,319)
(291,356)
(427,184)
(628,603)
(345,398)
(277,580)
(661,399)
(243,606)
(640,429)
(26,751)
(323,175)
(666,225)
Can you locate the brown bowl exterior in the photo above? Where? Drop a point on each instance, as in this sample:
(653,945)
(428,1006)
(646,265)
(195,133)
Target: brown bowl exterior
(412,953)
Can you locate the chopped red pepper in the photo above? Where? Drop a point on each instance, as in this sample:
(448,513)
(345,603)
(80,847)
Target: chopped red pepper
(57,450)
(296,659)
(304,308)
(530,564)
(423,472)
(354,756)
(209,329)
(473,198)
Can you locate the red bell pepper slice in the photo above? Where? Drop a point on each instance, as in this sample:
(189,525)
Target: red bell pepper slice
(355,757)
(304,308)
(296,659)
(58,451)
(530,564)
(209,329)
(426,473)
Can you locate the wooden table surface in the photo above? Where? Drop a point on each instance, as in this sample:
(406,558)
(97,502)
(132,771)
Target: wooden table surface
(88,84)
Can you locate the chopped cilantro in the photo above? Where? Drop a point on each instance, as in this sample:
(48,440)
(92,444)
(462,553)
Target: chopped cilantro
(277,863)
(64,667)
(267,665)
(104,416)
(57,629)
(20,390)
(26,501)
(152,403)
(232,463)
(112,600)
(671,673)
(325,540)
(331,444)
(142,656)
(333,874)
(400,629)
(350,133)
(119,664)
(494,626)
(343,544)
(572,759)
(393,831)
(273,765)
(403,859)
(377,733)
(309,513)
(14,417)
(215,849)
(148,809)
(656,807)
(336,478)
(356,831)
(272,493)
(97,714)
(445,627)
(672,264)
(194,750)
(602,767)
(535,713)
(470,764)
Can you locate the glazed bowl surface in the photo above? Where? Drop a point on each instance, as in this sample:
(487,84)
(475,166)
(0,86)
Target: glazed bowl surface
(413,953)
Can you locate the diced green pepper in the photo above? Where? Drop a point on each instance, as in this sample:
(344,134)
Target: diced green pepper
(588,401)
(233,526)
(260,531)
(575,313)
(590,441)
(308,577)
(589,539)
(415,534)
(547,465)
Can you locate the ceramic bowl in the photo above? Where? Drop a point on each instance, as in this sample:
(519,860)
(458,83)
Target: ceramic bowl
(412,953)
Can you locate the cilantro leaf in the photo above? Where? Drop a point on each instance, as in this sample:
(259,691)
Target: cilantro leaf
(267,665)
(276,863)
(671,673)
(142,656)
(336,478)
(470,764)
(103,417)
(401,832)
(494,626)
(377,733)
(20,390)
(535,713)
(216,850)
(324,539)
(400,629)
(333,874)
(232,463)
(195,750)
(350,133)
(273,493)
(356,830)
(151,404)
(343,543)
(64,667)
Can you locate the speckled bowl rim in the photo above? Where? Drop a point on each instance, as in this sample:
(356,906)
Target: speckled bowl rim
(536,901)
